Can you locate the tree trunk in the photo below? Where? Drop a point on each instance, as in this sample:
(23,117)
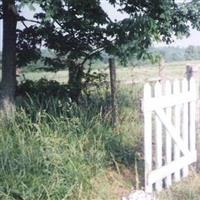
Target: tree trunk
(75,81)
(8,82)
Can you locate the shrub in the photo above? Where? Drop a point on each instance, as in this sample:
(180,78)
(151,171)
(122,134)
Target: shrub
(42,88)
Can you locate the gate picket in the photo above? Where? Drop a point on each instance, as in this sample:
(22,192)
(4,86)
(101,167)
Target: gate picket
(192,117)
(168,91)
(185,122)
(176,88)
(158,135)
(147,138)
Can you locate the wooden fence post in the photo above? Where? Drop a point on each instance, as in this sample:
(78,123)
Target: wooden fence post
(112,67)
(193,71)
(162,69)
(189,72)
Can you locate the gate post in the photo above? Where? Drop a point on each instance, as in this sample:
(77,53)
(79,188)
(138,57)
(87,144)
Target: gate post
(162,70)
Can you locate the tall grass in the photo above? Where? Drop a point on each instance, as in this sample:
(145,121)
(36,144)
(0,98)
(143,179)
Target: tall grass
(56,150)
(188,189)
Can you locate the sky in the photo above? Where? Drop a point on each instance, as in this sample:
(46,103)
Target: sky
(193,39)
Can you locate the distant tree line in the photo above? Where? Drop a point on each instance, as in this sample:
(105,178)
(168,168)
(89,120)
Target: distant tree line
(170,54)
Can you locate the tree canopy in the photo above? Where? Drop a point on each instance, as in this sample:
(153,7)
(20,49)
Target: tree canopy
(79,30)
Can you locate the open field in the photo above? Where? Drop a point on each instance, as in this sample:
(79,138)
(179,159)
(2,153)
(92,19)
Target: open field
(136,74)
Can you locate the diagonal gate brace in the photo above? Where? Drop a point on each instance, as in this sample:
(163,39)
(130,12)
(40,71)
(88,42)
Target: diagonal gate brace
(172,131)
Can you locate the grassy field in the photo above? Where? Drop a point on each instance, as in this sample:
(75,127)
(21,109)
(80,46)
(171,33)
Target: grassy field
(57,150)
(137,74)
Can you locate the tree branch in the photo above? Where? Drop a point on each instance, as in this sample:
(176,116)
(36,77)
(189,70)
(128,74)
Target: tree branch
(58,23)
(24,24)
(91,54)
(29,20)
(13,9)
(97,50)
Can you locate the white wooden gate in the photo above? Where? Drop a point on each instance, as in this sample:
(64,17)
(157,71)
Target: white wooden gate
(169,132)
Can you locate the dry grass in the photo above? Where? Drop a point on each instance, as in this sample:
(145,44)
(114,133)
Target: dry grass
(143,74)
(136,74)
(110,185)
(188,189)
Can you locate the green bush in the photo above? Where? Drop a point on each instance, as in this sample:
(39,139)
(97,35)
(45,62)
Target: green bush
(42,88)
